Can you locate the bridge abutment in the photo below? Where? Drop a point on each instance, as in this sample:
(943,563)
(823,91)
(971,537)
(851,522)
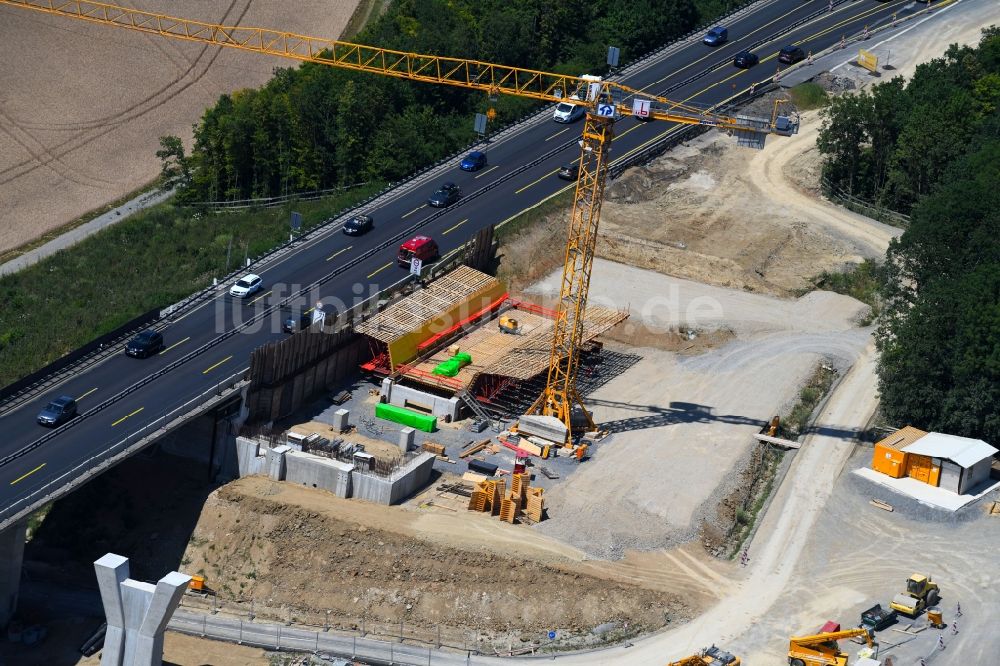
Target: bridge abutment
(11,556)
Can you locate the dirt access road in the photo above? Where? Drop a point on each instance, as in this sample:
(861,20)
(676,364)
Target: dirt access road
(84,105)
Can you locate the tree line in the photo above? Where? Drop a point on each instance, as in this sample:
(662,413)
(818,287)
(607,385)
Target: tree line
(932,147)
(317,127)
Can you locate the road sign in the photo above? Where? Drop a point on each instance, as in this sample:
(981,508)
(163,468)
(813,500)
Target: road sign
(480,125)
(606,110)
(640,108)
(552,635)
(296,221)
(868,60)
(613,53)
(416,265)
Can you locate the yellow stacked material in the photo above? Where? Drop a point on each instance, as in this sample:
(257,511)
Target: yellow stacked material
(496,499)
(519,485)
(535,505)
(477,502)
(436,449)
(509,508)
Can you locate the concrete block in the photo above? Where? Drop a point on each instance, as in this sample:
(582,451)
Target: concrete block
(406,436)
(276,462)
(406,396)
(340,420)
(547,427)
(249,459)
(385,394)
(319,472)
(402,483)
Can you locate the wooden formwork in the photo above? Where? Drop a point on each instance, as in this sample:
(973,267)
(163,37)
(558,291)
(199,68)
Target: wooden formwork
(519,485)
(477,502)
(510,507)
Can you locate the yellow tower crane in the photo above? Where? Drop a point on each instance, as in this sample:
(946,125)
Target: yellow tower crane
(604,100)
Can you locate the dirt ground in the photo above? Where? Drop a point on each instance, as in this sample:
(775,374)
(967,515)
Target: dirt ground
(300,551)
(79,124)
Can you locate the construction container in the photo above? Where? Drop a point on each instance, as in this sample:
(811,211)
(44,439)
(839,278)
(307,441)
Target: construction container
(197,583)
(923,468)
(889,458)
(489,469)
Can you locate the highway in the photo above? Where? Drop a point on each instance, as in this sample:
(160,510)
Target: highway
(511,193)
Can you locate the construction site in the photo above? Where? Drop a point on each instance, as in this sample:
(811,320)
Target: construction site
(645,447)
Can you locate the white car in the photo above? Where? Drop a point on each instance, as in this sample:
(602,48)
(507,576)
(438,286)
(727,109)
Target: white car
(568,113)
(246,285)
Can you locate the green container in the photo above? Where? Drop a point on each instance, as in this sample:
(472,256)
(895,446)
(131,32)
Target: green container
(405,416)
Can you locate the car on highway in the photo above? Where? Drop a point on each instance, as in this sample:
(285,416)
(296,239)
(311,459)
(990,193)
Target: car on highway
(745,59)
(716,36)
(791,55)
(445,195)
(57,412)
(359,224)
(569,171)
(423,248)
(474,161)
(247,285)
(568,113)
(296,322)
(145,344)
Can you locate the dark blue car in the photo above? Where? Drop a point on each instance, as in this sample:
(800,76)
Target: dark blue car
(474,161)
(715,36)
(57,412)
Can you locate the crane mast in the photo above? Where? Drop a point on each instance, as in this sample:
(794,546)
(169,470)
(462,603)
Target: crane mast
(604,100)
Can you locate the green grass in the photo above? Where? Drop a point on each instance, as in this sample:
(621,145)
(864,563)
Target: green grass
(809,95)
(861,282)
(153,259)
(798,419)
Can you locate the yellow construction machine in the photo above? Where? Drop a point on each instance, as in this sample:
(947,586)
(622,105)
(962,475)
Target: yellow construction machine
(921,592)
(711,656)
(822,649)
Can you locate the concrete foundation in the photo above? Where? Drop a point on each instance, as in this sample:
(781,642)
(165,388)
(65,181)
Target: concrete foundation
(318,472)
(250,460)
(11,556)
(548,427)
(406,396)
(137,613)
(406,436)
(275,463)
(340,420)
(402,483)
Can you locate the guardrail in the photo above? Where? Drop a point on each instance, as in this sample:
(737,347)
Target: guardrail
(862,207)
(169,312)
(271,202)
(90,466)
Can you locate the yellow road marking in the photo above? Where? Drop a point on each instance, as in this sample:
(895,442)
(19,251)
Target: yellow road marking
(25,476)
(379,270)
(339,252)
(86,394)
(402,217)
(309,310)
(558,133)
(127,416)
(488,170)
(535,182)
(456,226)
(209,369)
(179,342)
(634,127)
(258,298)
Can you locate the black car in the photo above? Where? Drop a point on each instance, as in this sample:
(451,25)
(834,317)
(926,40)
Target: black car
(446,195)
(359,224)
(791,55)
(745,59)
(569,171)
(294,323)
(57,412)
(145,344)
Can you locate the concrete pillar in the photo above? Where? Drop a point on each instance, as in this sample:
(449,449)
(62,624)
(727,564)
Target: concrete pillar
(11,556)
(276,462)
(386,393)
(406,439)
(112,570)
(340,420)
(137,613)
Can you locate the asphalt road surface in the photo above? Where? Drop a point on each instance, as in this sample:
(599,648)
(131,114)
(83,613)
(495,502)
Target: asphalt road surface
(316,258)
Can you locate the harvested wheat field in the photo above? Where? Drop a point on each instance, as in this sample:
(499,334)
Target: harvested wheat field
(84,105)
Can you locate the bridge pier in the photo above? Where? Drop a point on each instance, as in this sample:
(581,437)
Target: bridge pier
(11,557)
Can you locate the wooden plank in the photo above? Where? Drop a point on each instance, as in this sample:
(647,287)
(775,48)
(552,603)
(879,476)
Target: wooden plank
(885,506)
(475,448)
(779,441)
